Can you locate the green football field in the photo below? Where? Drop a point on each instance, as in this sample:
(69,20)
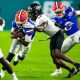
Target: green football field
(38,63)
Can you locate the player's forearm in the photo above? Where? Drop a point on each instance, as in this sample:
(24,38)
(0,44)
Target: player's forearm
(38,29)
(41,27)
(66,28)
(24,42)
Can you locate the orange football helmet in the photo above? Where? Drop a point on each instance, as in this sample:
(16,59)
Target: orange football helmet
(58,8)
(21,16)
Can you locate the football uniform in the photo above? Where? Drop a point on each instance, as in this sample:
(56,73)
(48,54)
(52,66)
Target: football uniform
(69,23)
(48,27)
(1,29)
(29,35)
(2,26)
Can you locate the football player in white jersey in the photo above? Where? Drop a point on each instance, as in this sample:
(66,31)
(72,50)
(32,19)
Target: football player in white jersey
(44,24)
(3,61)
(21,23)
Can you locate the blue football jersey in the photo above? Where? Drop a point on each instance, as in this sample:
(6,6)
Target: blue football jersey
(27,29)
(68,21)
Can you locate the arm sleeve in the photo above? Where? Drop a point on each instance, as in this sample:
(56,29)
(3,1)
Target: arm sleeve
(71,12)
(40,20)
(28,38)
(78,12)
(14,25)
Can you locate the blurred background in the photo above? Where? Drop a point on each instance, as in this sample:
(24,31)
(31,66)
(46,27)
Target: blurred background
(38,63)
(8,8)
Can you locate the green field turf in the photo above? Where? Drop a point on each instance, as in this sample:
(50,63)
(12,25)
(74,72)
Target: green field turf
(38,63)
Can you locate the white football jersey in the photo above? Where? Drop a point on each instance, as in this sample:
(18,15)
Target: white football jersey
(2,26)
(47,25)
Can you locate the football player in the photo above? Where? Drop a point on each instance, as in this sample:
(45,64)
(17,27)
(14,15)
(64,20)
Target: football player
(20,55)
(3,61)
(66,19)
(44,24)
(26,26)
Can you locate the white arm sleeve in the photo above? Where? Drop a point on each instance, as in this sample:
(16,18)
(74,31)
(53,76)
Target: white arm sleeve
(28,38)
(78,12)
(41,19)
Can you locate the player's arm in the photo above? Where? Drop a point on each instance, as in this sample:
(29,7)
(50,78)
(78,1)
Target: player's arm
(71,12)
(23,42)
(14,28)
(58,25)
(41,27)
(38,29)
(68,26)
(55,22)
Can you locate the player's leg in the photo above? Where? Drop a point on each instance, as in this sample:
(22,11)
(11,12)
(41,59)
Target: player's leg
(58,70)
(17,49)
(57,53)
(77,37)
(16,52)
(25,51)
(66,46)
(58,40)
(5,63)
(60,63)
(69,43)
(22,53)
(12,49)
(63,57)
(10,55)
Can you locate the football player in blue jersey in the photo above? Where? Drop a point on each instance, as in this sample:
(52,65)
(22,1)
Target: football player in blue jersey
(27,27)
(19,54)
(65,18)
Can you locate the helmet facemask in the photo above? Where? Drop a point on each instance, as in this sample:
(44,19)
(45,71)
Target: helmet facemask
(34,10)
(32,15)
(60,13)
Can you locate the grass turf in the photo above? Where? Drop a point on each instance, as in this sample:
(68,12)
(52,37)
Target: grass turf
(38,63)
